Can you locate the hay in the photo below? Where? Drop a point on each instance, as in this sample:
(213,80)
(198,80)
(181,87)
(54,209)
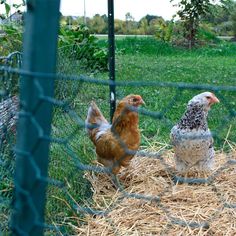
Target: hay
(209,207)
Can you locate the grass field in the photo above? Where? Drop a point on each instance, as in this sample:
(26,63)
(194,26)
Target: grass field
(151,61)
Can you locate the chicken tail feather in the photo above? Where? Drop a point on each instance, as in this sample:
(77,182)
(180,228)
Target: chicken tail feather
(95,122)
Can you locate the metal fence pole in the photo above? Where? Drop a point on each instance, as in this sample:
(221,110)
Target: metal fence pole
(32,148)
(111,43)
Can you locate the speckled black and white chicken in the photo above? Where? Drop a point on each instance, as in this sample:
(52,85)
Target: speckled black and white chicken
(191,138)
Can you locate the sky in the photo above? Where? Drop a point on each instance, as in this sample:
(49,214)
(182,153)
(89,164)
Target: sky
(137,8)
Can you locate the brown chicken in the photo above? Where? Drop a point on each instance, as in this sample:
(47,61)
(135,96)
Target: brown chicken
(115,143)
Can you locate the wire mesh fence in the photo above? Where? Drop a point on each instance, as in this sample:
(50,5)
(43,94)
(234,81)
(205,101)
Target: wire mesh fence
(83,197)
(67,154)
(9,107)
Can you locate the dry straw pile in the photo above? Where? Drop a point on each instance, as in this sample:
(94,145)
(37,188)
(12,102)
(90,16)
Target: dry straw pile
(210,207)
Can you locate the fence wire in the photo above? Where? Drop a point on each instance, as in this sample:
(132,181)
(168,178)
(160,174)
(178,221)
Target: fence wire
(71,155)
(8,110)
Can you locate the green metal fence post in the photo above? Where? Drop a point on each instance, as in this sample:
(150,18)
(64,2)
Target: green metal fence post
(32,148)
(111,47)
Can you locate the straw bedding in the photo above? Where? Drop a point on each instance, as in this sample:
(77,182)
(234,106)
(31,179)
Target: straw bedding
(183,209)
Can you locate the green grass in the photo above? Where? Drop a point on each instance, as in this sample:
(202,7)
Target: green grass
(189,69)
(141,59)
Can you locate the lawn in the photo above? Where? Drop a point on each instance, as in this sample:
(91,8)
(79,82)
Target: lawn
(209,66)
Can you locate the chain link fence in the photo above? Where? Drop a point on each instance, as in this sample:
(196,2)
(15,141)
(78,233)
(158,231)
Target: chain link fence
(8,109)
(86,198)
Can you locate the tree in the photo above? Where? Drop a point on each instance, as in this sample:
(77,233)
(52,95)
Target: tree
(128,19)
(97,24)
(164,30)
(118,25)
(143,26)
(151,17)
(233,19)
(154,24)
(190,12)
(8,7)
(229,7)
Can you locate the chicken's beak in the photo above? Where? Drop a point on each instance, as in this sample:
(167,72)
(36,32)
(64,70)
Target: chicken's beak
(141,102)
(214,99)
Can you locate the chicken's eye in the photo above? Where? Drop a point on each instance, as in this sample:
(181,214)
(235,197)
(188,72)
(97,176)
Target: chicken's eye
(135,99)
(208,97)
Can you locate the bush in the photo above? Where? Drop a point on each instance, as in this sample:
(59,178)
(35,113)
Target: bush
(85,47)
(164,31)
(206,36)
(11,39)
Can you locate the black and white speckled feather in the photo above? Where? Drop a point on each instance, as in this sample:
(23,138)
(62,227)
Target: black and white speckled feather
(194,118)
(191,138)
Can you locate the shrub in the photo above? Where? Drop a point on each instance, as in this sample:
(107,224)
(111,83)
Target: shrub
(11,39)
(85,47)
(164,31)
(206,36)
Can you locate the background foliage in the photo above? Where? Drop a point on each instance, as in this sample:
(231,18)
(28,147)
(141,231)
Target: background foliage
(84,47)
